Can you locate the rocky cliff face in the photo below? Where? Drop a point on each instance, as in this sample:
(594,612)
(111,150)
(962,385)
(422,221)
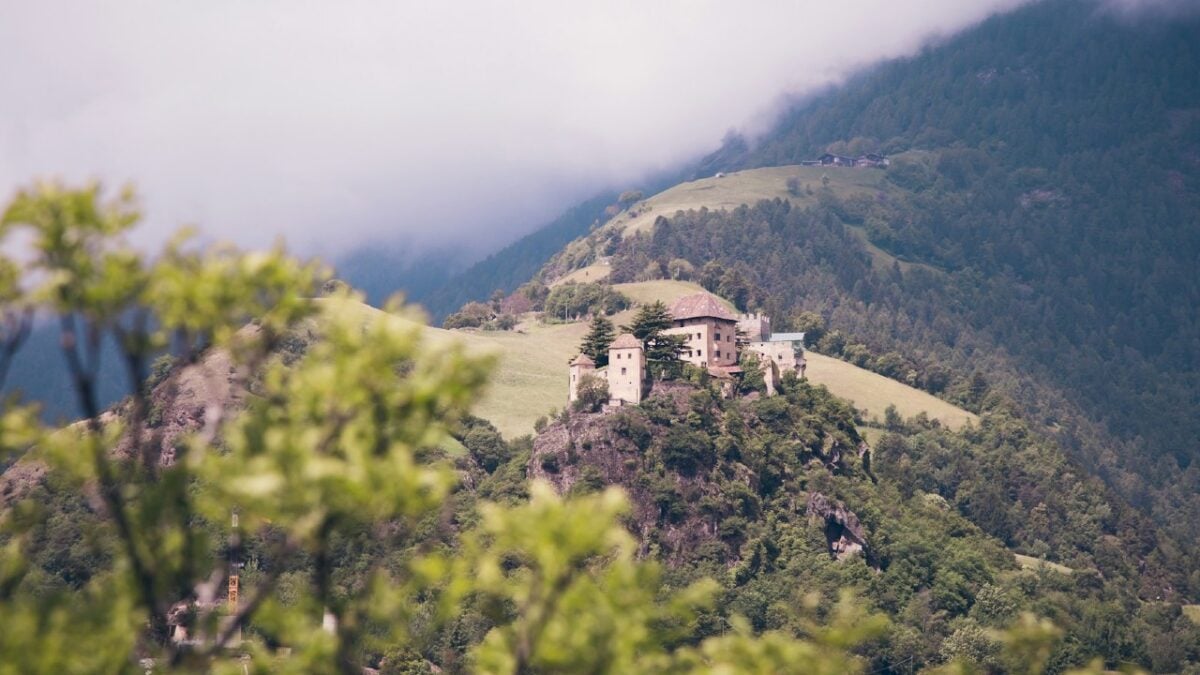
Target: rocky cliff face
(690,465)
(589,449)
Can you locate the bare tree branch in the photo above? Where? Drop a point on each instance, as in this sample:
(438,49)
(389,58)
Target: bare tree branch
(84,382)
(17,325)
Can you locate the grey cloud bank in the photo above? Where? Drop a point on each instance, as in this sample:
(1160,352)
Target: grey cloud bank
(330,124)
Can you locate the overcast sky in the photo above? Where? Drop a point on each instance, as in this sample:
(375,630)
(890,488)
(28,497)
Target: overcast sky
(333,123)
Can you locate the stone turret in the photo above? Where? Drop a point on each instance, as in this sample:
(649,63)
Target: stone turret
(582,365)
(626,369)
(755,326)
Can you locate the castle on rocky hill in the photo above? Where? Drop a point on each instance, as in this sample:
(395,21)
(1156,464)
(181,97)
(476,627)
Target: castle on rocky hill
(715,338)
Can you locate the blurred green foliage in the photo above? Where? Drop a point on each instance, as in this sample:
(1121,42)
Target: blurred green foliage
(335,451)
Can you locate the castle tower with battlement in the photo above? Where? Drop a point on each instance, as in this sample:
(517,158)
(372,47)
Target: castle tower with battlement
(754,326)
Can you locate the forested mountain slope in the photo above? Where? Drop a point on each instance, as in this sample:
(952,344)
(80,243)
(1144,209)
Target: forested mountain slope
(1064,201)
(1064,196)
(770,496)
(1041,214)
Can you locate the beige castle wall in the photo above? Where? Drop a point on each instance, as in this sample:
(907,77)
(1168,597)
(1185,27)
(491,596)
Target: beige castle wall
(576,374)
(771,376)
(626,374)
(783,354)
(710,342)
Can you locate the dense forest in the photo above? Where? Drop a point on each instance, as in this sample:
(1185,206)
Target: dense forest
(779,503)
(738,489)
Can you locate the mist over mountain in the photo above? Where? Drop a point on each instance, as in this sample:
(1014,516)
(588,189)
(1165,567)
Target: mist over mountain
(414,124)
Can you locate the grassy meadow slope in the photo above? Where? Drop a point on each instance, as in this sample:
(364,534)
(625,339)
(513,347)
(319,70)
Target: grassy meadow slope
(873,393)
(530,377)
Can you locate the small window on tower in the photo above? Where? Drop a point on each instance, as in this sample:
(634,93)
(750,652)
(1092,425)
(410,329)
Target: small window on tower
(622,371)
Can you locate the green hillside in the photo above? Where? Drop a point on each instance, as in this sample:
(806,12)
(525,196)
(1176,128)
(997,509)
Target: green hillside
(873,393)
(1032,246)
(531,373)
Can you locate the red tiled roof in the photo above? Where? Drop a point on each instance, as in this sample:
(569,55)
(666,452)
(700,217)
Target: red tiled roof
(700,305)
(625,341)
(583,360)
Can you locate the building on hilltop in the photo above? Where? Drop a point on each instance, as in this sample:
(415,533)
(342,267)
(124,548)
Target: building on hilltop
(626,369)
(712,343)
(872,160)
(582,365)
(711,332)
(625,372)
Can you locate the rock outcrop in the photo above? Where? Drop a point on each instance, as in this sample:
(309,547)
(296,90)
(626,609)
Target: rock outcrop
(611,448)
(843,532)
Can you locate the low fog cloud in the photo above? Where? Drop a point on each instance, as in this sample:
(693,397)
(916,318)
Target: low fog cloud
(335,123)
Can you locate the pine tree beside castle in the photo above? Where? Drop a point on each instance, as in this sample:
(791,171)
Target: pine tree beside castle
(600,335)
(649,326)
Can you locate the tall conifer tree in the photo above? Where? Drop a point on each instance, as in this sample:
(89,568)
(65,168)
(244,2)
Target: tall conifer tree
(600,335)
(662,351)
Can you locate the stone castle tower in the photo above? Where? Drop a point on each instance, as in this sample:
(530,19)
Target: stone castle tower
(582,365)
(625,372)
(626,369)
